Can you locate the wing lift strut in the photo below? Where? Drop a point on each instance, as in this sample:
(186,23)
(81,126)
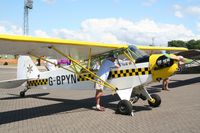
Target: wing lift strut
(74,69)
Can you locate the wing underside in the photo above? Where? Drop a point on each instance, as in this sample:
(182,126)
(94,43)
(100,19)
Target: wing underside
(23,45)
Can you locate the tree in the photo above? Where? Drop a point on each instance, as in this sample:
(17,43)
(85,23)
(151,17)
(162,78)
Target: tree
(176,43)
(192,44)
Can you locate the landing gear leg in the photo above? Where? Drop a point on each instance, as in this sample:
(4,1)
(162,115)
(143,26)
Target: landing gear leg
(22,93)
(154,100)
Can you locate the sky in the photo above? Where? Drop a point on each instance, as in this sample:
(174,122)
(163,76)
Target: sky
(140,22)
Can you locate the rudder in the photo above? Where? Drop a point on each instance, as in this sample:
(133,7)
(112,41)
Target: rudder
(26,68)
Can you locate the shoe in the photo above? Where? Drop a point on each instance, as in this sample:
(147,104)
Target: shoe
(100,108)
(166,89)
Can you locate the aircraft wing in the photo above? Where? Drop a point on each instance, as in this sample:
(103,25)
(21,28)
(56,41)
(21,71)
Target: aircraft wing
(23,45)
(152,48)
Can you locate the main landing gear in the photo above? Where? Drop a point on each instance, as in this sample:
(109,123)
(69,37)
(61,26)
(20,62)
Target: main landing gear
(22,93)
(125,107)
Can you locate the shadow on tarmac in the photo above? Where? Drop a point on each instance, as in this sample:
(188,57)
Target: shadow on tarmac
(15,97)
(67,105)
(179,83)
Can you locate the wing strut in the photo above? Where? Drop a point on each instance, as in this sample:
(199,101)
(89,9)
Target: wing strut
(106,84)
(77,63)
(89,58)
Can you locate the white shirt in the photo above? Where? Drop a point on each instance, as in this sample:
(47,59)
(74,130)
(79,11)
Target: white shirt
(96,67)
(51,66)
(104,70)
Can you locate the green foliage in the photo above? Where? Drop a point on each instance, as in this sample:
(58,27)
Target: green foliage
(192,44)
(177,43)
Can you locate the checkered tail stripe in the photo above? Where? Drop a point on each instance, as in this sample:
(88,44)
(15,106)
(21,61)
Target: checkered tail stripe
(37,82)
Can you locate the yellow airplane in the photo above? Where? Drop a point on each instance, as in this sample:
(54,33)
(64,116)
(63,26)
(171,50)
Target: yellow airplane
(137,69)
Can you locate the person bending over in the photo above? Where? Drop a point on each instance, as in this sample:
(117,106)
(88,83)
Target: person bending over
(103,73)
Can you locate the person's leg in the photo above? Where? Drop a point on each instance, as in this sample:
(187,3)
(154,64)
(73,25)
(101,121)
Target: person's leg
(165,84)
(99,93)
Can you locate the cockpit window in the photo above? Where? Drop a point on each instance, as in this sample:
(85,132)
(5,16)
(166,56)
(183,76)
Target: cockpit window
(136,53)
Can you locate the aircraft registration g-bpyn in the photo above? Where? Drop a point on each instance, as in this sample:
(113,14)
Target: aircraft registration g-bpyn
(127,81)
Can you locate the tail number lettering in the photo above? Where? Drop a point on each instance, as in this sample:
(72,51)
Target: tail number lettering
(60,80)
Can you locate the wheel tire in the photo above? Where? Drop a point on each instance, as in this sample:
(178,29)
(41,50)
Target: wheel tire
(22,94)
(157,100)
(124,107)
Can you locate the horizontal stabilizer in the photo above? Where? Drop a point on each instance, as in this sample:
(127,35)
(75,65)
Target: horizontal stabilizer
(7,84)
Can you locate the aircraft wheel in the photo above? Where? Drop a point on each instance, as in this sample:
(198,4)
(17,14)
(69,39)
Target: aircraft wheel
(157,101)
(124,107)
(22,94)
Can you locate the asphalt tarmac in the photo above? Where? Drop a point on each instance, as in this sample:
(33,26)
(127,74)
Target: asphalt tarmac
(72,111)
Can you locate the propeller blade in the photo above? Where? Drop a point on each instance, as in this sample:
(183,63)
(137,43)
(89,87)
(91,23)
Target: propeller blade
(179,58)
(171,56)
(187,61)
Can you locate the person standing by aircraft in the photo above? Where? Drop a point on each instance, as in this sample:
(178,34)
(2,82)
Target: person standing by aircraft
(166,80)
(49,66)
(96,66)
(166,84)
(103,73)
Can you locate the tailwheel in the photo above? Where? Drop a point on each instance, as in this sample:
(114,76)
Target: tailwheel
(22,94)
(124,107)
(155,101)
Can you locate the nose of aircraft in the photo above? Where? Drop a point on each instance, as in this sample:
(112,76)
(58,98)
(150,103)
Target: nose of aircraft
(162,66)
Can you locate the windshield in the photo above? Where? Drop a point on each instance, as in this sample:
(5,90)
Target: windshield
(136,53)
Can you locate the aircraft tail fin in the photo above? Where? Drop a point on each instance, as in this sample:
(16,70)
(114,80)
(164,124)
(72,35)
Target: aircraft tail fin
(26,69)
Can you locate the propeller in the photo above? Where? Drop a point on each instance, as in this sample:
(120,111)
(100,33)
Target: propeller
(179,58)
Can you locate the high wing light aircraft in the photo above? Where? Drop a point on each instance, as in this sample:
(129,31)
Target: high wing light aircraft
(127,81)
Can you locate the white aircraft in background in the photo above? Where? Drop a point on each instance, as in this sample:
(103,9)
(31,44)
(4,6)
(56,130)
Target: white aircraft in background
(127,81)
